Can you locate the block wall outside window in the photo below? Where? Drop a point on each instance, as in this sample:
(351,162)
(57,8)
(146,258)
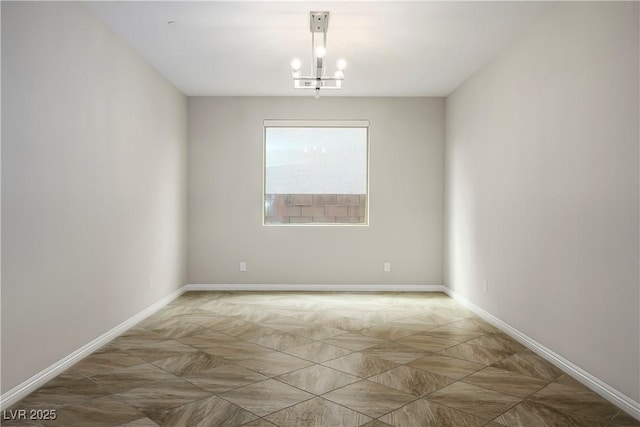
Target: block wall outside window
(315,208)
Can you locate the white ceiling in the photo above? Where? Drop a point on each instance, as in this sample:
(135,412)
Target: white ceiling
(240,48)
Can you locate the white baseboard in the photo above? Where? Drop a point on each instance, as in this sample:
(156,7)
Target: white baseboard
(23,389)
(611,394)
(315,288)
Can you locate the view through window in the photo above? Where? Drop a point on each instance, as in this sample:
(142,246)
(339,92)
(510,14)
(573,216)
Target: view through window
(316,172)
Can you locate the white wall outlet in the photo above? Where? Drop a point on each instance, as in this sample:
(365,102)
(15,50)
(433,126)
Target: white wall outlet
(485,286)
(243,266)
(387,267)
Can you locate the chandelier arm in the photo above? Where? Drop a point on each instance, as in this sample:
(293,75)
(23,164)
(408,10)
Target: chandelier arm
(313,47)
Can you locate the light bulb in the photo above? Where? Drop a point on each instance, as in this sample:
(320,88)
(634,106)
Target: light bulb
(321,51)
(341,64)
(296,64)
(339,74)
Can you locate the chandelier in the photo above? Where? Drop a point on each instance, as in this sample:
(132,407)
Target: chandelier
(319,22)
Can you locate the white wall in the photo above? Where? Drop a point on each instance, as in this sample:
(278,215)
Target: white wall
(542,188)
(93,184)
(406,195)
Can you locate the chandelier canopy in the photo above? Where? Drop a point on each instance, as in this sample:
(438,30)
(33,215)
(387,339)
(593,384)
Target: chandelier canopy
(317,79)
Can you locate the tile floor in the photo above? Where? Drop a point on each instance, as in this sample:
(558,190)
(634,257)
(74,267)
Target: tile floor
(317,359)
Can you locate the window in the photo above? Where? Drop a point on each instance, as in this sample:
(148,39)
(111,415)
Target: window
(316,172)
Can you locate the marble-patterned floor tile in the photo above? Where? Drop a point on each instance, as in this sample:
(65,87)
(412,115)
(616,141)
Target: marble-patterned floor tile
(66,377)
(223,307)
(260,422)
(189,363)
(317,379)
(395,352)
(126,342)
(414,325)
(254,315)
(456,334)
(318,332)
(318,412)
(380,355)
(287,324)
(477,325)
(355,342)
(140,422)
(376,423)
(411,380)
(447,366)
(457,311)
(369,398)
(429,414)
(348,324)
(274,364)
(386,332)
(438,319)
(474,400)
(360,364)
(498,342)
(623,420)
(384,316)
(570,381)
(160,350)
(197,316)
(62,394)
(207,340)
(318,352)
(428,343)
(279,340)
(571,400)
(506,382)
(476,353)
(165,394)
(132,377)
(173,310)
(180,329)
(99,363)
(528,413)
(219,323)
(237,350)
(315,317)
(248,331)
(18,421)
(349,312)
(529,363)
(209,412)
(265,397)
(105,411)
(137,332)
(224,378)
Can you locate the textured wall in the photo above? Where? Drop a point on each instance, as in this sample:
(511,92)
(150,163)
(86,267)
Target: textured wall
(406,143)
(542,188)
(93,184)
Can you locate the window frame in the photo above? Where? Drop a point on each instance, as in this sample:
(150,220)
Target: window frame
(305,123)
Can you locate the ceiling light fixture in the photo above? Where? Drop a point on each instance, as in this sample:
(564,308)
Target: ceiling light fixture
(319,22)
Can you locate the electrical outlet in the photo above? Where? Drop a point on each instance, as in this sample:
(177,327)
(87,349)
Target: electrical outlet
(485,286)
(243,266)
(387,267)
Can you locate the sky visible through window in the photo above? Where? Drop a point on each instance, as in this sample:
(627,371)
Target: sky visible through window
(316,160)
